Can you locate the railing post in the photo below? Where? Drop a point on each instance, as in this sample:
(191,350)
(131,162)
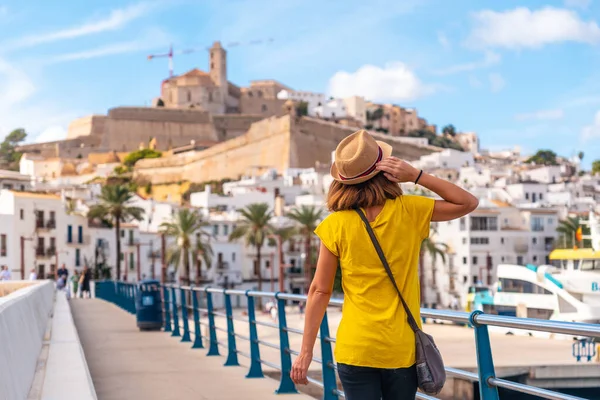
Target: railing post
(134,290)
(175,313)
(197,331)
(184,317)
(485,362)
(213,348)
(232,358)
(329,381)
(255,365)
(167,311)
(286,385)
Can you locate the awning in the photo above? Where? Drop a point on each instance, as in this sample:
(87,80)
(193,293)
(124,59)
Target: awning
(579,254)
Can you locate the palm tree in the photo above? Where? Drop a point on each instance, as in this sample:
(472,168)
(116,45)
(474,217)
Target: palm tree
(185,224)
(307,217)
(115,205)
(567,228)
(254,227)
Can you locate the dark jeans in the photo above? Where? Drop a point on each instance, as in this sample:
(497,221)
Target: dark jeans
(366,383)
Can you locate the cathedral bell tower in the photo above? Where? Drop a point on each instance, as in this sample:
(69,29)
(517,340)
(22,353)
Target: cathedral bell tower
(218,69)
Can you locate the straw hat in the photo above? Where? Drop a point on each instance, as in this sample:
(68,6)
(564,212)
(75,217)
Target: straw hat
(356,158)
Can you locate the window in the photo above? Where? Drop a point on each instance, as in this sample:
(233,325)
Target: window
(70,234)
(475,279)
(550,221)
(501,240)
(480,240)
(534,197)
(189,95)
(465,260)
(233,257)
(502,258)
(526,196)
(541,196)
(53,243)
(215,230)
(52,216)
(80,234)
(484,223)
(21,214)
(520,260)
(225,230)
(464,241)
(589,265)
(3,245)
(537,224)
(463,224)
(122,256)
(520,286)
(263,107)
(267,264)
(534,258)
(131,261)
(22,188)
(474,260)
(77,257)
(122,233)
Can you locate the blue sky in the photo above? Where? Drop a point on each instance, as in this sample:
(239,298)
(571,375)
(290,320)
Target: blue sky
(516,72)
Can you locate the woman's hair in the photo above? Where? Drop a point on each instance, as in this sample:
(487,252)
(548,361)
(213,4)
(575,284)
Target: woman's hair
(373,192)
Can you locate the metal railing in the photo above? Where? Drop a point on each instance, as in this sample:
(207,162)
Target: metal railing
(176,321)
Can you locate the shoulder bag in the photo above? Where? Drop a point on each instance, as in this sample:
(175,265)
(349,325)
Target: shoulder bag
(431,374)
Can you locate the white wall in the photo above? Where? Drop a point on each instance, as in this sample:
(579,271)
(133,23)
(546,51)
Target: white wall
(23,318)
(549,174)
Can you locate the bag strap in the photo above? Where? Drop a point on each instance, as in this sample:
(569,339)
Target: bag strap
(409,316)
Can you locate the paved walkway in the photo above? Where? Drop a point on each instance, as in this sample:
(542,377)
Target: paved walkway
(128,364)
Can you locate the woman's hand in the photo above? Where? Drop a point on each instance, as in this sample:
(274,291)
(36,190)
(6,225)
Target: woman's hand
(300,368)
(397,170)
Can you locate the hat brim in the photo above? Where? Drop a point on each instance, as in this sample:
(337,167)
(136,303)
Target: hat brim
(386,149)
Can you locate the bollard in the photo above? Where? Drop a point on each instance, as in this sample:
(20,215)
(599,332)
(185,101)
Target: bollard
(329,381)
(184,317)
(167,312)
(175,314)
(232,358)
(485,362)
(255,365)
(213,348)
(286,385)
(197,330)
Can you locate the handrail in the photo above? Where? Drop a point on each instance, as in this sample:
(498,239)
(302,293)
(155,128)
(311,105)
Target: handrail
(177,304)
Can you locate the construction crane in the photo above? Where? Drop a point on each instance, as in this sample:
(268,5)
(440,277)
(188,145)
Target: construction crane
(170,54)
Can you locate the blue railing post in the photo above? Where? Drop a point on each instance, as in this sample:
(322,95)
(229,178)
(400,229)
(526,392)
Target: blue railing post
(134,290)
(167,311)
(175,313)
(485,362)
(329,381)
(213,348)
(255,365)
(184,317)
(197,331)
(232,358)
(286,385)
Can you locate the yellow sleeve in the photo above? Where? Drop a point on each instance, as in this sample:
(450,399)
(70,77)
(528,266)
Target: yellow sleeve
(327,232)
(420,209)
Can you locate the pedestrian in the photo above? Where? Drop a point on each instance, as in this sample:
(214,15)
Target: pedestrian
(5,274)
(75,284)
(64,272)
(32,275)
(84,281)
(375,345)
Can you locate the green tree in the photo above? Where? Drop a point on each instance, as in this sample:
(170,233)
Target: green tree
(114,205)
(567,229)
(135,156)
(449,130)
(596,167)
(185,224)
(580,155)
(302,109)
(254,227)
(9,157)
(307,218)
(543,157)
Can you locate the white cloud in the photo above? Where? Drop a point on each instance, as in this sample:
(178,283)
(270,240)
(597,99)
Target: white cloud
(552,114)
(444,41)
(497,83)
(524,28)
(150,40)
(489,60)
(394,82)
(578,3)
(117,19)
(591,131)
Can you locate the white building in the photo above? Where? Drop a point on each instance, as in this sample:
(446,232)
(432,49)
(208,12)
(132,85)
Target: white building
(528,192)
(14,180)
(321,106)
(40,168)
(447,158)
(546,174)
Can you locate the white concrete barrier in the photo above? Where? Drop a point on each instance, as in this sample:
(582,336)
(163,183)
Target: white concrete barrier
(67,375)
(23,318)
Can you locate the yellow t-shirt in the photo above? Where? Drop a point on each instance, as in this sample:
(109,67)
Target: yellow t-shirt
(373,331)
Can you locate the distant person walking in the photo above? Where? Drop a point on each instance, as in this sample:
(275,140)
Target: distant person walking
(75,284)
(4,274)
(32,275)
(84,281)
(64,272)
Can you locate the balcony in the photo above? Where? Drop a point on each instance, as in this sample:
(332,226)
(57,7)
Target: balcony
(39,224)
(40,252)
(75,240)
(222,266)
(51,224)
(51,251)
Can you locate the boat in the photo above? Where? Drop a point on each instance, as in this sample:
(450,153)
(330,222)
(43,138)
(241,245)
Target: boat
(566,290)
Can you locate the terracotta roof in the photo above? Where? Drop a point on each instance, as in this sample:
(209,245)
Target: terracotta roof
(202,76)
(501,203)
